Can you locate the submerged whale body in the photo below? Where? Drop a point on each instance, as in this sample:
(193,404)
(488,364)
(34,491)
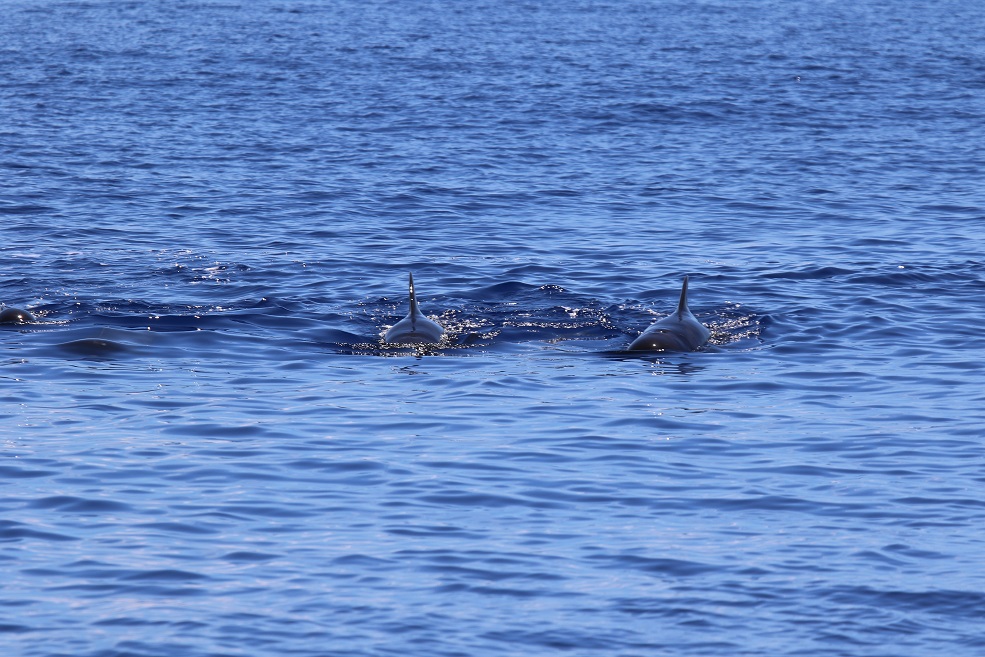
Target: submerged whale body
(415,328)
(15,316)
(681,331)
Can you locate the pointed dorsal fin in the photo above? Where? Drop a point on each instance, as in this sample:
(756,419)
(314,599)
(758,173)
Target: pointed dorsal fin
(414,310)
(682,308)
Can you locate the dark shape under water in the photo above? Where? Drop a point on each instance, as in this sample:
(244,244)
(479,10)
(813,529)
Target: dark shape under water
(415,328)
(681,331)
(16,316)
(94,347)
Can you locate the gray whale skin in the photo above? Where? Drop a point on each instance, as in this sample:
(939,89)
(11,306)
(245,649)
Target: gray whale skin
(415,328)
(681,331)
(15,316)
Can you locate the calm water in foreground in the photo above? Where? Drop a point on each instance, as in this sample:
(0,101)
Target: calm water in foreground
(212,208)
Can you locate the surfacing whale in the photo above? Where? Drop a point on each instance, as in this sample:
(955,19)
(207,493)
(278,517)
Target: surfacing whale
(16,316)
(681,331)
(415,328)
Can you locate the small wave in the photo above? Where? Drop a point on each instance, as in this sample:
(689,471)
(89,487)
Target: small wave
(810,273)
(72,504)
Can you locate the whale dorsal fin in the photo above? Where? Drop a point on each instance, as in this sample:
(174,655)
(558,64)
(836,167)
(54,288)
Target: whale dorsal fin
(414,310)
(682,308)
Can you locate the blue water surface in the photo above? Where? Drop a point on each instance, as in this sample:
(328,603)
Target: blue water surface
(212,208)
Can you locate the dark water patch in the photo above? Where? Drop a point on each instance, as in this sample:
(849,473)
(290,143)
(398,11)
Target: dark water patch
(262,510)
(954,603)
(128,622)
(455,465)
(24,209)
(221,431)
(248,557)
(165,575)
(15,472)
(814,273)
(655,565)
(362,560)
(511,290)
(807,471)
(481,500)
(580,497)
(12,531)
(104,591)
(440,531)
(901,278)
(71,504)
(954,209)
(179,527)
(219,475)
(556,640)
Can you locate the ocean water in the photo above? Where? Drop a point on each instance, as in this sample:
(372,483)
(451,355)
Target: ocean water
(212,208)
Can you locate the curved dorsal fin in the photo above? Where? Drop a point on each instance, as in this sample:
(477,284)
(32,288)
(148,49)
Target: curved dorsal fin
(682,304)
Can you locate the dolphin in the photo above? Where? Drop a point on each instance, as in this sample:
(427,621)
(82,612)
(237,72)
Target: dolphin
(679,332)
(16,316)
(415,328)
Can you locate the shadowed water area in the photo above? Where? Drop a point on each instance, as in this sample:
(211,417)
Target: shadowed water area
(211,209)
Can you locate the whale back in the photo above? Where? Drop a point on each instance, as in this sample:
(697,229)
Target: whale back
(415,328)
(15,316)
(680,331)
